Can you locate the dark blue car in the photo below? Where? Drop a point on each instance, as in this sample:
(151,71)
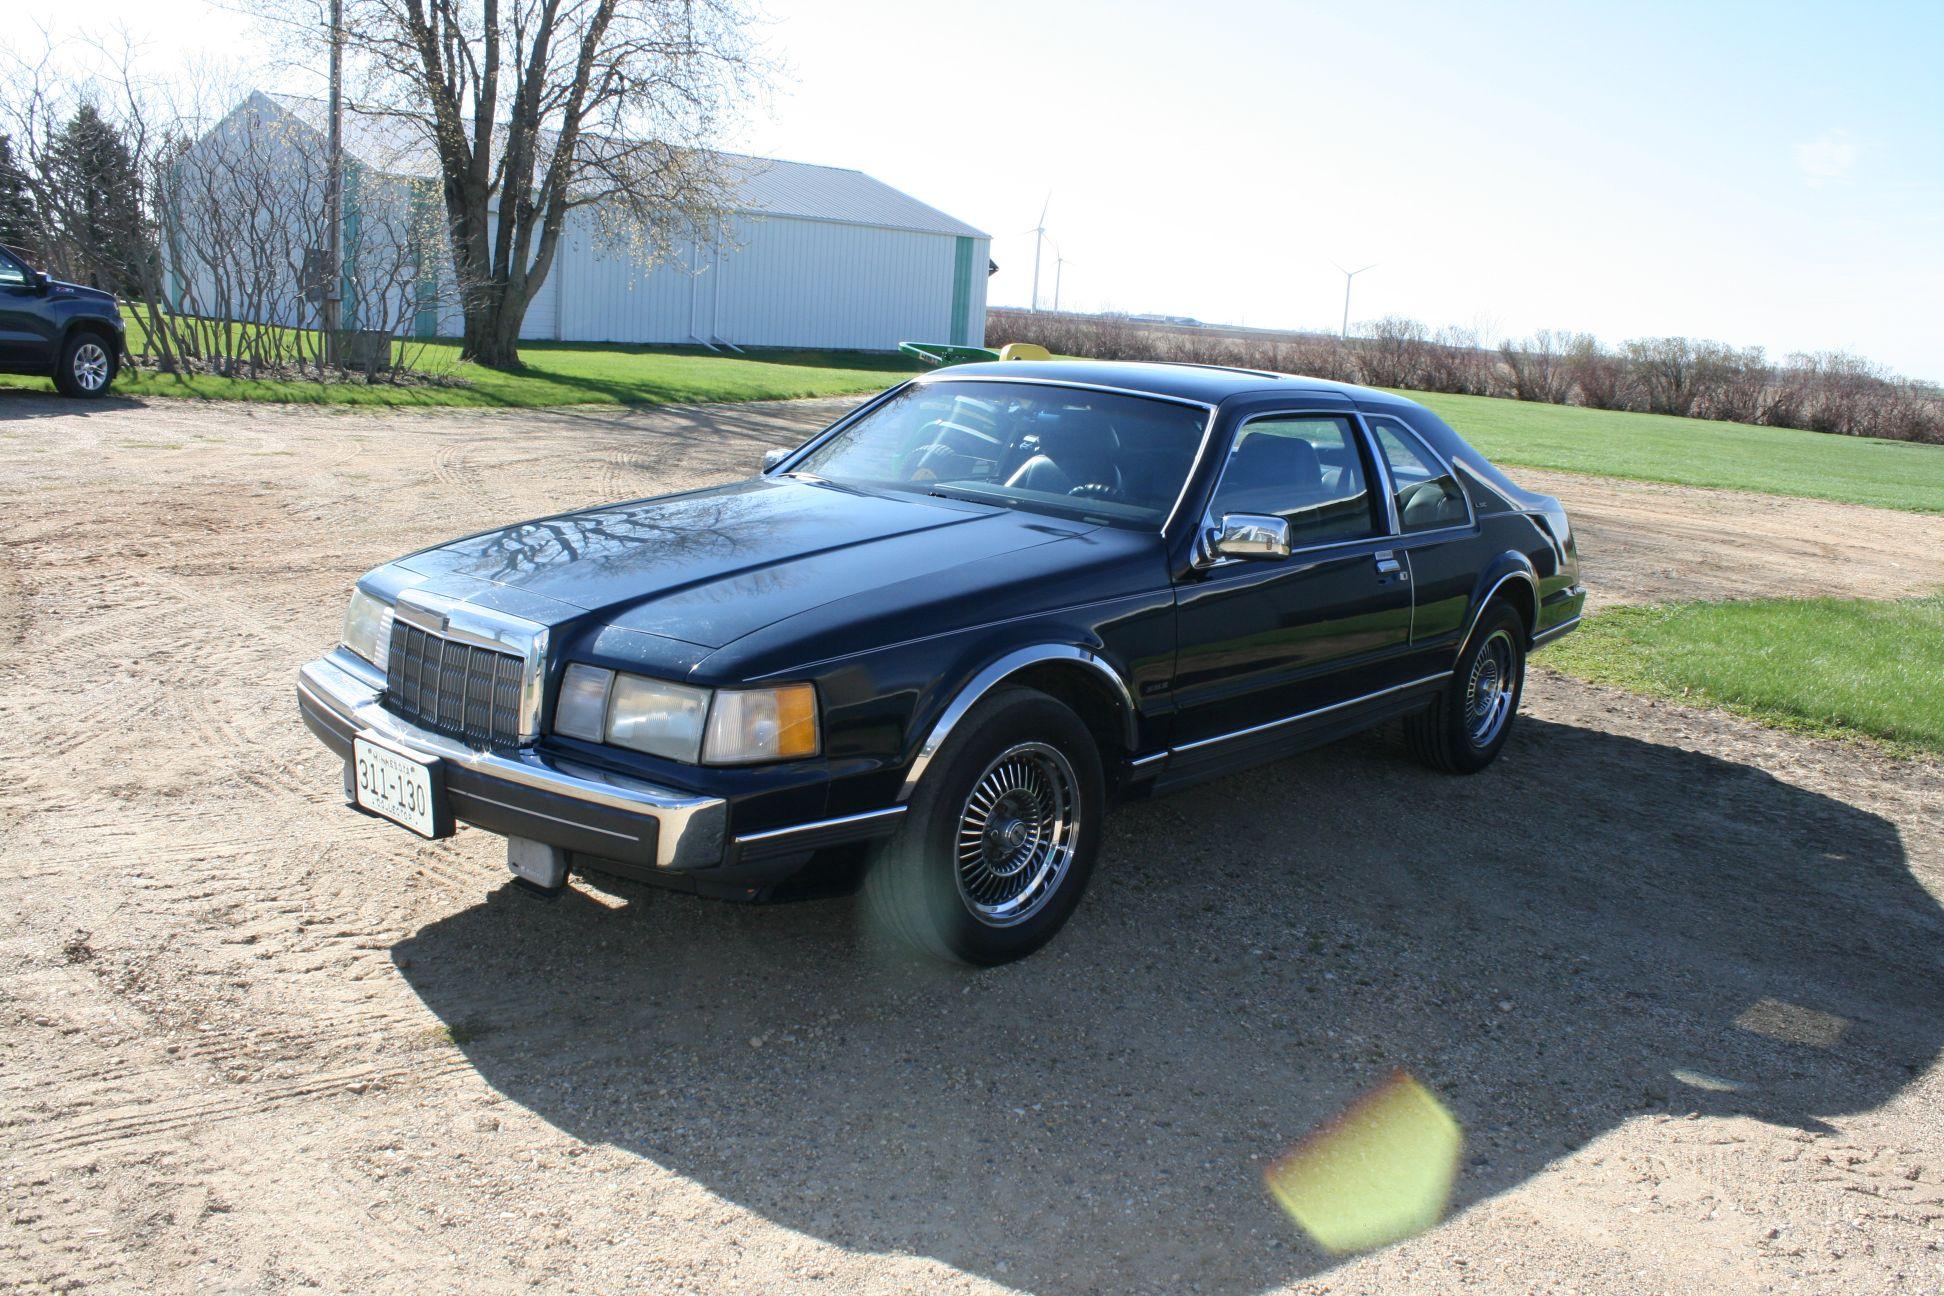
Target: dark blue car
(947,633)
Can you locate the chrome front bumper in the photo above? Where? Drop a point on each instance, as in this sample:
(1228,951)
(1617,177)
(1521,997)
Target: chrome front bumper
(521,792)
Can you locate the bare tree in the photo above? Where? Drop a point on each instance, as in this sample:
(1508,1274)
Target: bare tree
(535,109)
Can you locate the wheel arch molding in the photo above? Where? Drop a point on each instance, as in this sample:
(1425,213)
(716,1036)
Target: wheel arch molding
(1511,574)
(1104,701)
(111,330)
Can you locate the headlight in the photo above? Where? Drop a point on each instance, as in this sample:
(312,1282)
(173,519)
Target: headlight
(658,718)
(748,725)
(367,628)
(726,727)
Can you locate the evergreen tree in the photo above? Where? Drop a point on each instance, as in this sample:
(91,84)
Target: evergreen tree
(19,222)
(94,201)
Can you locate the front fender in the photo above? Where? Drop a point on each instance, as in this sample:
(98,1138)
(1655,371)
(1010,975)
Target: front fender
(887,711)
(997,672)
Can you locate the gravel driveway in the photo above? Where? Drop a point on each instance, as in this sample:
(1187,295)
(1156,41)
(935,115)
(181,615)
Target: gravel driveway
(1681,978)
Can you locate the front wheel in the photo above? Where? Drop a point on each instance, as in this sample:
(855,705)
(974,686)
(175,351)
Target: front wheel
(1462,731)
(1000,837)
(87,365)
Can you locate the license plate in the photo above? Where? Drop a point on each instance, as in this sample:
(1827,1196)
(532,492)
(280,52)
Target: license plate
(396,786)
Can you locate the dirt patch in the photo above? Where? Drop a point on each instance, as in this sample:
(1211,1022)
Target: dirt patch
(1678,976)
(1641,542)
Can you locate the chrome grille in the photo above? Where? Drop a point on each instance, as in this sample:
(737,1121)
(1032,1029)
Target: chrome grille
(454,688)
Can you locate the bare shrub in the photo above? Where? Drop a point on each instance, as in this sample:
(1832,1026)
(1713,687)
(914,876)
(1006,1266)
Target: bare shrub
(1453,361)
(1827,392)
(1540,366)
(1664,370)
(1597,374)
(1391,352)
(232,195)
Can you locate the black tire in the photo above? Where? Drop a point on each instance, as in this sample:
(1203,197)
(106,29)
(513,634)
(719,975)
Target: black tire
(1456,733)
(88,364)
(914,887)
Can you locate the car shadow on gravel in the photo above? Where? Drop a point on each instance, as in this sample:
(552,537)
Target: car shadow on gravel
(30,402)
(1596,929)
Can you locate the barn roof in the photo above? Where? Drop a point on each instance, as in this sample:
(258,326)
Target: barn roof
(394,145)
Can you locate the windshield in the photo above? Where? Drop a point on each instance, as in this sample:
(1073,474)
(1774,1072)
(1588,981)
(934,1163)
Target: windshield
(1067,450)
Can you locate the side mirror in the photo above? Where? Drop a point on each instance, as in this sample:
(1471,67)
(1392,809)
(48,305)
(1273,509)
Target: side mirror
(1248,535)
(771,458)
(38,280)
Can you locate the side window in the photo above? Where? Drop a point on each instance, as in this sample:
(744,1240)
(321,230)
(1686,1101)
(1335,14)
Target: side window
(12,273)
(1428,497)
(1305,469)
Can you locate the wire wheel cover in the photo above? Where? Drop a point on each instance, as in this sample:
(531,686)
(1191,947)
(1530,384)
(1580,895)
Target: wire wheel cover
(1488,694)
(1017,834)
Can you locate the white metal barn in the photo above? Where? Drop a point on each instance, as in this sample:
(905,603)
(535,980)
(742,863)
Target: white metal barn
(816,256)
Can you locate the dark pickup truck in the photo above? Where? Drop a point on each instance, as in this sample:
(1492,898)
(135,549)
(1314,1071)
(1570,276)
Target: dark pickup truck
(67,332)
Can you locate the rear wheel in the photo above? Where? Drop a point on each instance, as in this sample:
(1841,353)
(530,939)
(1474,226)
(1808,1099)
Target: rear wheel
(87,365)
(1000,837)
(1462,731)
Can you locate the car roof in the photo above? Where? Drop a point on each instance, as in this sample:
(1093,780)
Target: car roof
(1209,384)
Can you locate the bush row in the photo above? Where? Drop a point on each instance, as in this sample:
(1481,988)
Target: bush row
(1828,391)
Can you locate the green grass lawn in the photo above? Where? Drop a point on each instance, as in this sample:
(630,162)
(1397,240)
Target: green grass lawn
(555,373)
(1846,667)
(1696,452)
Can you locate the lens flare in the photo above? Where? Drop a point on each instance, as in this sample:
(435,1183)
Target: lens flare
(1378,1173)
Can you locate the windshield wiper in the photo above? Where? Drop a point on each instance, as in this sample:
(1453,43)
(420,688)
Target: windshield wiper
(814,480)
(968,497)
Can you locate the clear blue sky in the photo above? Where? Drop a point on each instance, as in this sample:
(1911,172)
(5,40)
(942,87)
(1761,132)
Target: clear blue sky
(1767,174)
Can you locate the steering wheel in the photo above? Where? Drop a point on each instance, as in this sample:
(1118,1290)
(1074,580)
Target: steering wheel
(1114,490)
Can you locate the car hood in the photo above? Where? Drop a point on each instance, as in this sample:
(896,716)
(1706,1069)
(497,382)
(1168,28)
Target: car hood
(712,566)
(62,288)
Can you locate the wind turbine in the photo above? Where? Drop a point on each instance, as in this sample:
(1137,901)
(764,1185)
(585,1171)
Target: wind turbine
(1039,237)
(1348,275)
(1059,266)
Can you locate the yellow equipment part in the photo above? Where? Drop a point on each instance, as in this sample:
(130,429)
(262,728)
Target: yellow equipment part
(1024,351)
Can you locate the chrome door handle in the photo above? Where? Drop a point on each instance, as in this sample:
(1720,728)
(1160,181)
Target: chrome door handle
(1388,565)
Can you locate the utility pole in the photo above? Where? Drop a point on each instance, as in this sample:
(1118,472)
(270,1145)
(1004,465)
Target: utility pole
(334,194)
(1039,237)
(1348,275)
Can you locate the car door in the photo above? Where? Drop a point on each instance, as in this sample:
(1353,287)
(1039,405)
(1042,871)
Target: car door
(23,331)
(1263,641)
(1436,535)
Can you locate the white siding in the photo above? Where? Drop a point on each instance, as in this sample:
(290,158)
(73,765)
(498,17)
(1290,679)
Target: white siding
(981,279)
(543,312)
(785,283)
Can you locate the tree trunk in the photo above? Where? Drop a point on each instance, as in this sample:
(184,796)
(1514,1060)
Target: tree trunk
(493,322)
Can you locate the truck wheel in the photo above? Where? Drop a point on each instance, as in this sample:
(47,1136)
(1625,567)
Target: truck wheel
(1462,731)
(88,364)
(1000,837)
